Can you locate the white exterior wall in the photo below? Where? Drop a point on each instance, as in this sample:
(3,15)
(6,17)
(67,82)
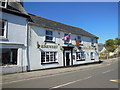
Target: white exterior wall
(37,34)
(16,38)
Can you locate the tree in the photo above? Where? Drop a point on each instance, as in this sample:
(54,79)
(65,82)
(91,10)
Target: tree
(117,41)
(110,45)
(109,42)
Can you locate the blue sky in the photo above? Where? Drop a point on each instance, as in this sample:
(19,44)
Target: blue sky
(98,18)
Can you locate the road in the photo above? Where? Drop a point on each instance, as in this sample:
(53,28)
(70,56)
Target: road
(104,76)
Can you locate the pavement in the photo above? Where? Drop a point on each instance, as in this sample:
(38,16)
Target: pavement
(10,78)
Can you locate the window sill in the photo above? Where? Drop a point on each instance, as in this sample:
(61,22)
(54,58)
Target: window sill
(81,60)
(3,38)
(49,62)
(68,43)
(9,65)
(49,41)
(93,46)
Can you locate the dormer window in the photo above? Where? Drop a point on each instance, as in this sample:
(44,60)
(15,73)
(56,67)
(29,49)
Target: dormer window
(3,3)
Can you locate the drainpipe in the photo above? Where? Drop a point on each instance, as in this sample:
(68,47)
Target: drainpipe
(28,62)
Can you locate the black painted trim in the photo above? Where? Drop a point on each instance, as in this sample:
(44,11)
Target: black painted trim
(49,63)
(81,60)
(49,41)
(13,12)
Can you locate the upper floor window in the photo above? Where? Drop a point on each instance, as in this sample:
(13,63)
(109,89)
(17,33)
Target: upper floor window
(67,38)
(3,3)
(96,41)
(3,27)
(49,35)
(79,38)
(92,42)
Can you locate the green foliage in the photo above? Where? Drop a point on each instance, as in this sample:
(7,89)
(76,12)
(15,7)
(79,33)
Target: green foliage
(111,44)
(117,41)
(111,48)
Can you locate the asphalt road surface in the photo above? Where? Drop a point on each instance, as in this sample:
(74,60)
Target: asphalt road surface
(104,76)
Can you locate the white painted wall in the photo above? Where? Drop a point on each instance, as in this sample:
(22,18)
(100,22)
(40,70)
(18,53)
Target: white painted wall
(37,34)
(16,34)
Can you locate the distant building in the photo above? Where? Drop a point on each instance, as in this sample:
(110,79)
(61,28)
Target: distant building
(30,42)
(101,48)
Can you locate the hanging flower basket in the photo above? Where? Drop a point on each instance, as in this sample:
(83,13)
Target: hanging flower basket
(75,49)
(61,48)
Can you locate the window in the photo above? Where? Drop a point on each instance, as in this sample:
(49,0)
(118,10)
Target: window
(92,56)
(49,35)
(8,56)
(67,39)
(79,38)
(80,56)
(3,3)
(3,27)
(92,42)
(47,57)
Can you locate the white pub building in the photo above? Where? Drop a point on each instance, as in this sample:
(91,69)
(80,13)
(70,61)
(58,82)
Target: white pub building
(30,42)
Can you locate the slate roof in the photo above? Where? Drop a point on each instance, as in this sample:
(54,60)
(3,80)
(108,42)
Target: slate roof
(100,47)
(46,23)
(17,8)
(14,8)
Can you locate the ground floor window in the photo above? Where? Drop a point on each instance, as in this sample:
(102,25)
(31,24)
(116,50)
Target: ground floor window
(80,56)
(92,56)
(47,57)
(8,56)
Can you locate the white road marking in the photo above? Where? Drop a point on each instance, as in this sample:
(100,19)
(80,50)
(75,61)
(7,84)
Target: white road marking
(70,82)
(117,81)
(107,71)
(60,73)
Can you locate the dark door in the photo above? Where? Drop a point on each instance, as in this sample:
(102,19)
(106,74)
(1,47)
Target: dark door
(67,59)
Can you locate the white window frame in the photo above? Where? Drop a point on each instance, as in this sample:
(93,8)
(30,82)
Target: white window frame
(92,56)
(79,38)
(49,35)
(92,42)
(50,61)
(5,29)
(65,34)
(11,57)
(5,3)
(81,57)
(81,41)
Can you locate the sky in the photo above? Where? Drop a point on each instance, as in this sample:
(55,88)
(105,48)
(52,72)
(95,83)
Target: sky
(98,18)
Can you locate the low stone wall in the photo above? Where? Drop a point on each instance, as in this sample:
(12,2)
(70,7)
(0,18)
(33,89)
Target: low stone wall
(12,69)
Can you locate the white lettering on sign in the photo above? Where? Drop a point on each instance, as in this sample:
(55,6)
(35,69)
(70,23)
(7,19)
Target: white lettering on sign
(48,46)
